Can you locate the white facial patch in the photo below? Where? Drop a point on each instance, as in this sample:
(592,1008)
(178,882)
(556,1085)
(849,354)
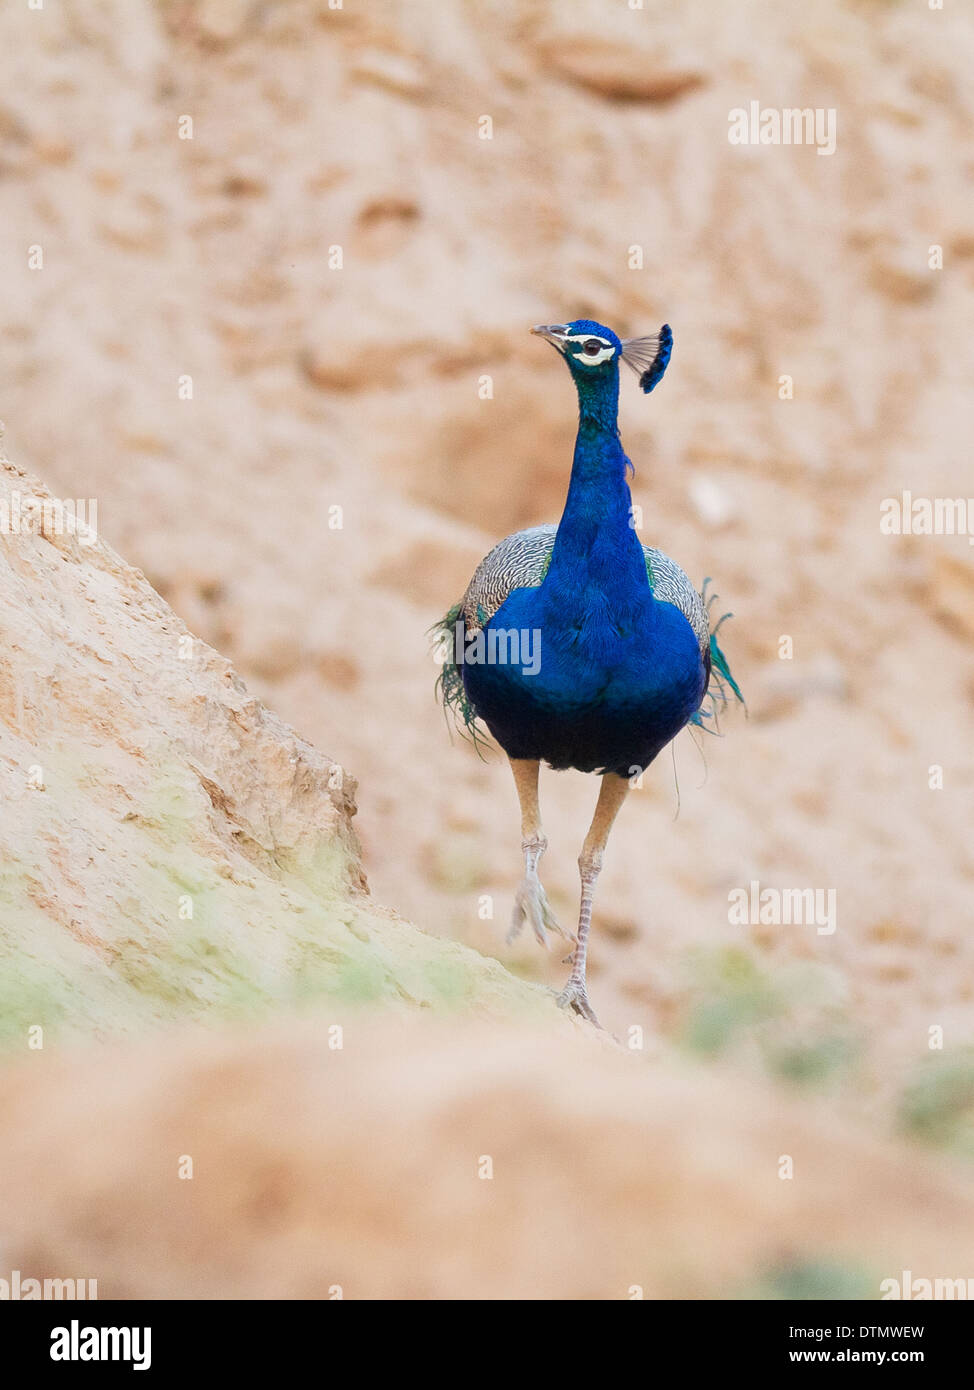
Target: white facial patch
(591,359)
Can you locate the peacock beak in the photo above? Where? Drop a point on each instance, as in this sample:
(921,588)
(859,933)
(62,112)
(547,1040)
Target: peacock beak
(554,333)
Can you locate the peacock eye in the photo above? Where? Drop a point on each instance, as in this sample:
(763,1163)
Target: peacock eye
(592,347)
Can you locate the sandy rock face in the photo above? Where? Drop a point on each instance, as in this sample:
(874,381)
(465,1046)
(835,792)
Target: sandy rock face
(169,847)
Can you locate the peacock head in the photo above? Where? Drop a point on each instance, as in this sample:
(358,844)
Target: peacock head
(592,351)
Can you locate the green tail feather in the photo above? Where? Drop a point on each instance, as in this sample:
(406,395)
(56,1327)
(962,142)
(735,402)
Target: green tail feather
(718,663)
(449,683)
(720,672)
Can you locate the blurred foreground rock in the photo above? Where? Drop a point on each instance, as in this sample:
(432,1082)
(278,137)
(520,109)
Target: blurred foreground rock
(433,1160)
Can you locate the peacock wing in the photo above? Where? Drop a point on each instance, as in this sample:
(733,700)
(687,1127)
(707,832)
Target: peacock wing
(670,584)
(519,561)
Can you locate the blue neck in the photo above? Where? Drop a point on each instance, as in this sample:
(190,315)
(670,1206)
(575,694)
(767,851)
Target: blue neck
(596,547)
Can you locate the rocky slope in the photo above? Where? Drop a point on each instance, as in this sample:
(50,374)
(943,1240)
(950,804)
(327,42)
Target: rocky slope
(170,849)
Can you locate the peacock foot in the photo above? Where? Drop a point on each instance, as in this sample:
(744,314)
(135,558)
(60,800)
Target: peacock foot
(531,905)
(575,997)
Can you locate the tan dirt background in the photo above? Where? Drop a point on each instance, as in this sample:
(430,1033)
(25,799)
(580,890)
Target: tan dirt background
(357,388)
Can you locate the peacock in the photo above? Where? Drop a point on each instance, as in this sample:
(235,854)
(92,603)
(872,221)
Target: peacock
(578,646)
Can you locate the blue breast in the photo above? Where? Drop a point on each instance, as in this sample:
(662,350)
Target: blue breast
(589,687)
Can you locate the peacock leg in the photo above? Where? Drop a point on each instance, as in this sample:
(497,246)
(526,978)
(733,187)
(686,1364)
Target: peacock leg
(612,794)
(530,901)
